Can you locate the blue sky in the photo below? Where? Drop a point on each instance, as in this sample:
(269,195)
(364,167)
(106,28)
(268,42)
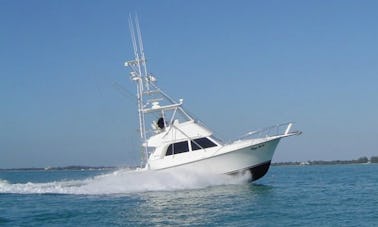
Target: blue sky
(239,65)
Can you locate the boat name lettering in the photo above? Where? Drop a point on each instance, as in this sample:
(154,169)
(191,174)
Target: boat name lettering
(257,146)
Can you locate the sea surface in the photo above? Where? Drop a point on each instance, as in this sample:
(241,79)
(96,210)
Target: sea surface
(334,195)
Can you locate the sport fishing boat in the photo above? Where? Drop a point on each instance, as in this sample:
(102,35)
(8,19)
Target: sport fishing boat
(172,139)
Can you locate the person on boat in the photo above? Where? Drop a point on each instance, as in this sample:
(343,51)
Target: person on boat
(161,123)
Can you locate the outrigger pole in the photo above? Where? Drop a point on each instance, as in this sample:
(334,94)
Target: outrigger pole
(141,79)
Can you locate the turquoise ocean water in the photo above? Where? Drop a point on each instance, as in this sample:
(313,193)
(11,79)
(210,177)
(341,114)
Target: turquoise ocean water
(335,195)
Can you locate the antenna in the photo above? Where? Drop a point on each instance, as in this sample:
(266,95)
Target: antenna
(141,49)
(131,27)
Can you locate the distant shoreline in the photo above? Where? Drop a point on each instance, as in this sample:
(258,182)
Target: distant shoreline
(78,168)
(362,160)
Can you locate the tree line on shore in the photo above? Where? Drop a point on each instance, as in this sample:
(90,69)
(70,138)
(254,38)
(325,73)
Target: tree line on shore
(77,168)
(362,160)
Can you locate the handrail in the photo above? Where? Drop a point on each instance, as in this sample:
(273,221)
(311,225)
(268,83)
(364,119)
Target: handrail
(275,130)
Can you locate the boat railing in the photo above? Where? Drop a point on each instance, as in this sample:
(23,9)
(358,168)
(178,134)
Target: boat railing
(272,131)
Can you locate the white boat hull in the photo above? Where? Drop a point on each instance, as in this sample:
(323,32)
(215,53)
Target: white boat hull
(255,158)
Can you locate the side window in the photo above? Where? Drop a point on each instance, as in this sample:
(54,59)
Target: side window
(177,148)
(169,150)
(203,143)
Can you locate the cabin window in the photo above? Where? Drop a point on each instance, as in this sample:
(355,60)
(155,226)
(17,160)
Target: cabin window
(203,143)
(177,148)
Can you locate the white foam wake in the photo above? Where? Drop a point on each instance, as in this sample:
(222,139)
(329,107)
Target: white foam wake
(126,181)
